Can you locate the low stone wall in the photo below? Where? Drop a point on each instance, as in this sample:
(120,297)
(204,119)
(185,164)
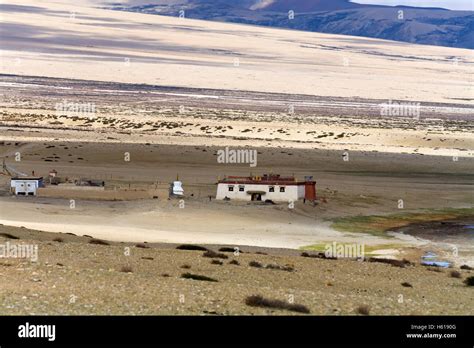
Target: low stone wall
(100,193)
(74,187)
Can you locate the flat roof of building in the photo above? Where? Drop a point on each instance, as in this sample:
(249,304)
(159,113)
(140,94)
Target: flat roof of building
(27,178)
(275,183)
(263,180)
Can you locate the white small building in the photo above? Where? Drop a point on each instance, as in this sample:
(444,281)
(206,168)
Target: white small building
(25,186)
(176,189)
(266,187)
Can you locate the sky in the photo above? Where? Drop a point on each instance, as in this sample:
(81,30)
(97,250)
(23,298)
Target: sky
(450,4)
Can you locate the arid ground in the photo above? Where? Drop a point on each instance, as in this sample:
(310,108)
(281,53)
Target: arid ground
(358,203)
(167,95)
(75,276)
(154,141)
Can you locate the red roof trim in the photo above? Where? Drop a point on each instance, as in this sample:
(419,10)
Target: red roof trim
(261,182)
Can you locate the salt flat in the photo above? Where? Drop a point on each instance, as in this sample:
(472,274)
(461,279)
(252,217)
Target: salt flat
(80,41)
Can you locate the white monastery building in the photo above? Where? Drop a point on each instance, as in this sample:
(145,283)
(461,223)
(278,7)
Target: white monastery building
(267,187)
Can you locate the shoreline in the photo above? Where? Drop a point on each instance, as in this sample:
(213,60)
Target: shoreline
(390,245)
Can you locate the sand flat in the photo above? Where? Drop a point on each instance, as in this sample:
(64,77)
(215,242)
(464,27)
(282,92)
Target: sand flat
(78,41)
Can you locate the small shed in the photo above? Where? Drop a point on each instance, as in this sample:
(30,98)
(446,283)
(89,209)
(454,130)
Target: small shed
(25,186)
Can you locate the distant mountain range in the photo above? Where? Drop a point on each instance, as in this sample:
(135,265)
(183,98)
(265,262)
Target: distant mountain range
(431,26)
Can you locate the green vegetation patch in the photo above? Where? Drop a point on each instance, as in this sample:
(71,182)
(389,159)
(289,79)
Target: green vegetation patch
(379,224)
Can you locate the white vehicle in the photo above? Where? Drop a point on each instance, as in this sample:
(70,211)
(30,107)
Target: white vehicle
(176,189)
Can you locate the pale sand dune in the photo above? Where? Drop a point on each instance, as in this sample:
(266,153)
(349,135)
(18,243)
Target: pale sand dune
(230,225)
(98,44)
